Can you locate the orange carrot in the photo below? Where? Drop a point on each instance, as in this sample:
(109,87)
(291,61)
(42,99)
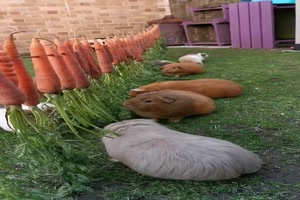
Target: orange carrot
(6,67)
(69,43)
(82,61)
(95,71)
(108,51)
(86,43)
(25,82)
(103,58)
(137,52)
(77,72)
(112,48)
(9,93)
(67,81)
(119,49)
(47,80)
(126,47)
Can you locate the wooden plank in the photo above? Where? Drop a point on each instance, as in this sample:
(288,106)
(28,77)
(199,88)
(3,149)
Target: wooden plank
(297,31)
(234,25)
(267,24)
(255,25)
(245,25)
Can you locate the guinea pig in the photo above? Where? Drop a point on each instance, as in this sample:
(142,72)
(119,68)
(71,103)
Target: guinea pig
(182,69)
(196,58)
(213,88)
(170,104)
(161,63)
(156,151)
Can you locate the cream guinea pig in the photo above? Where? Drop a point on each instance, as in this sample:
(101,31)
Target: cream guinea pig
(195,58)
(182,69)
(170,104)
(213,88)
(156,151)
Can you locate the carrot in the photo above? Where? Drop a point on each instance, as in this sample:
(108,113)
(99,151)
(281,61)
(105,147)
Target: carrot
(81,101)
(94,69)
(107,50)
(66,79)
(86,43)
(120,50)
(111,46)
(82,61)
(25,82)
(69,43)
(137,51)
(47,80)
(127,48)
(103,57)
(9,93)
(77,107)
(6,67)
(77,72)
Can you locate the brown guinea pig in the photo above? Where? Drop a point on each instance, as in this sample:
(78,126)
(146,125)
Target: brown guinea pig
(170,104)
(182,69)
(213,88)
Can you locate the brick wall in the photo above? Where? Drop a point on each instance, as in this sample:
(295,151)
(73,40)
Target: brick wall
(95,18)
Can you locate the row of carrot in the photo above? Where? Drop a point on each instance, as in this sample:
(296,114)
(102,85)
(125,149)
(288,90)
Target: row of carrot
(63,71)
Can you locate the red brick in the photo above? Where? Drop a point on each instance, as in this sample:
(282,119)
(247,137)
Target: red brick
(14,13)
(18,20)
(85,4)
(52,12)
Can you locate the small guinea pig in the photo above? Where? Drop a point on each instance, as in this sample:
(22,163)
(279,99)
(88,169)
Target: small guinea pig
(196,58)
(156,151)
(170,104)
(213,88)
(182,69)
(161,63)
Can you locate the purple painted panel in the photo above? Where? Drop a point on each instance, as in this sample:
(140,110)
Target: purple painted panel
(255,25)
(267,24)
(245,25)
(225,10)
(234,25)
(222,33)
(185,24)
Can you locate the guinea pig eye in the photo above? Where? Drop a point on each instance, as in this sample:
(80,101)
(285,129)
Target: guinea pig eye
(148,101)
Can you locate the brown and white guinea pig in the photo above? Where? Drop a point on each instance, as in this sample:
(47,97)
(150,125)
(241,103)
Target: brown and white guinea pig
(182,69)
(157,151)
(213,88)
(170,104)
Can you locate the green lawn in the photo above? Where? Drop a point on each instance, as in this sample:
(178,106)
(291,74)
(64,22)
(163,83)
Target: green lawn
(264,119)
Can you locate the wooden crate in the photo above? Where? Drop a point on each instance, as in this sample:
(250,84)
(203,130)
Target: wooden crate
(201,33)
(172,34)
(255,25)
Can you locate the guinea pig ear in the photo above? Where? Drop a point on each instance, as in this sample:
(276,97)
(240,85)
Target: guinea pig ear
(166,99)
(204,55)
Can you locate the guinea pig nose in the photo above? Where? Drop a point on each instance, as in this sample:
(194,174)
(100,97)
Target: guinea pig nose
(125,103)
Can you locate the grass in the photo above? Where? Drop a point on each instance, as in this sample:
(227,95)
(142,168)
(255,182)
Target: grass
(264,119)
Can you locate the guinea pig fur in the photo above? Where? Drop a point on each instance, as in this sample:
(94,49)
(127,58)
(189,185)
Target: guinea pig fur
(156,151)
(170,104)
(182,69)
(196,58)
(213,88)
